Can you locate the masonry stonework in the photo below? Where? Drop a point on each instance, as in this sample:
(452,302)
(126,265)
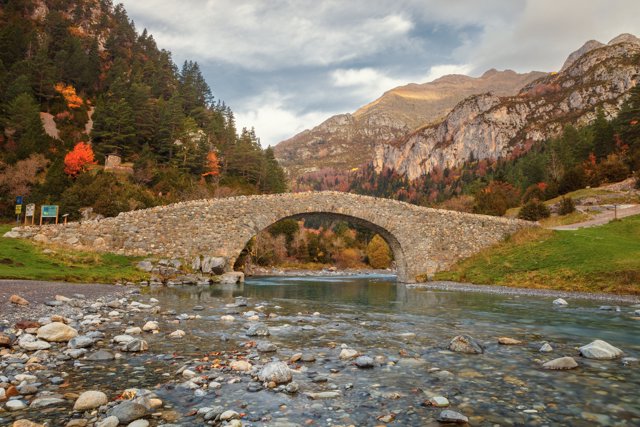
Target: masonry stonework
(423,240)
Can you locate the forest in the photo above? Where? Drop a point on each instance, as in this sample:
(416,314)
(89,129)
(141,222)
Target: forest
(79,83)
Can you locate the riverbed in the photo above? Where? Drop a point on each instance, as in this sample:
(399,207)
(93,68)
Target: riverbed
(404,331)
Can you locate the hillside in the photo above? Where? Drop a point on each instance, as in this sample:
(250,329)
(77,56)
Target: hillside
(489,126)
(78,83)
(347,141)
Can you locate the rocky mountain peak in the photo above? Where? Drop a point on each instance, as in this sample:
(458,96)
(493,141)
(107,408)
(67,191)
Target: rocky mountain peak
(624,38)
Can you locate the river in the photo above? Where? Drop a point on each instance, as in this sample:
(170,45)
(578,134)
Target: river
(404,330)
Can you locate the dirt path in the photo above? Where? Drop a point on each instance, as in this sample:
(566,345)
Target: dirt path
(601,219)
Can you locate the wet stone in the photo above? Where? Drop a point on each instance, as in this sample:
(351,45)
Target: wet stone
(449,416)
(465,344)
(258,329)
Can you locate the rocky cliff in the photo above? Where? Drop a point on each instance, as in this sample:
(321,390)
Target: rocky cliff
(493,126)
(346,141)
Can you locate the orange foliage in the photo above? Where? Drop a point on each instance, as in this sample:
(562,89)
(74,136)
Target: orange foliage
(213,165)
(78,159)
(68,92)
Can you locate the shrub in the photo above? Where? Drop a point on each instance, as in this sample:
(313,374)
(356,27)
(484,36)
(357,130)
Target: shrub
(612,169)
(348,258)
(496,198)
(534,210)
(378,253)
(566,206)
(574,179)
(535,191)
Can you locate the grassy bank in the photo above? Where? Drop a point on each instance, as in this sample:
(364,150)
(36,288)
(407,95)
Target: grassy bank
(21,259)
(599,259)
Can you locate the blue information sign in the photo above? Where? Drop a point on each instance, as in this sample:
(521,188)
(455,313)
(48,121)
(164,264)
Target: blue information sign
(18,200)
(49,211)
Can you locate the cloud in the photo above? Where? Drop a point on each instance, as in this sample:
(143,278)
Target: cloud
(284,66)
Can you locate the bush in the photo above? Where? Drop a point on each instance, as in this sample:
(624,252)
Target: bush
(574,179)
(348,258)
(534,210)
(378,253)
(566,206)
(535,191)
(612,169)
(496,198)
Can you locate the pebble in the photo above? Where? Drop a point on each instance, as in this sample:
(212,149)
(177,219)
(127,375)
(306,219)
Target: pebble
(508,341)
(229,415)
(465,344)
(546,348)
(15,405)
(277,372)
(138,423)
(439,401)
(258,329)
(90,400)
(560,302)
(111,421)
(348,353)
(364,362)
(177,334)
(128,411)
(18,300)
(151,326)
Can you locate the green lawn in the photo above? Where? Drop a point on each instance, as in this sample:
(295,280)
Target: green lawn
(599,259)
(21,259)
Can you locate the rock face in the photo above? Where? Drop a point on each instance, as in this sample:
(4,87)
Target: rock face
(489,126)
(465,344)
(56,332)
(347,141)
(601,350)
(423,240)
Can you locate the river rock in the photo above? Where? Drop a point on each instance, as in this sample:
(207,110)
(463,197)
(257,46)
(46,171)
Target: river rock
(111,421)
(15,405)
(560,302)
(100,356)
(56,332)
(600,350)
(277,372)
(232,278)
(136,345)
(449,416)
(150,326)
(364,362)
(546,348)
(212,265)
(177,334)
(508,341)
(465,344)
(90,400)
(258,329)
(18,300)
(324,395)
(229,415)
(5,340)
(122,339)
(128,411)
(26,423)
(240,365)
(139,423)
(43,402)
(30,343)
(135,330)
(348,353)
(81,341)
(439,401)
(266,347)
(561,363)
(227,318)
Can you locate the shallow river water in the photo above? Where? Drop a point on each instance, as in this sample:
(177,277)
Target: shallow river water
(406,331)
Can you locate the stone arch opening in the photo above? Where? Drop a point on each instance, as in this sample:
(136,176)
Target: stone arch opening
(395,246)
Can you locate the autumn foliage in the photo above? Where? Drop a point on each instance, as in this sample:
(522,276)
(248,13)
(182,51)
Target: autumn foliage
(213,165)
(78,159)
(68,92)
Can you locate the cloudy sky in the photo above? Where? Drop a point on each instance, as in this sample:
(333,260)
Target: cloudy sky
(287,65)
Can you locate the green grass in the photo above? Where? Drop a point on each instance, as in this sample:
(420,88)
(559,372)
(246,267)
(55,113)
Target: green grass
(599,259)
(572,218)
(22,259)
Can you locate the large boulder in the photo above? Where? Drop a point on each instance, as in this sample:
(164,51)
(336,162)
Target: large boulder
(90,400)
(232,278)
(277,372)
(465,344)
(601,350)
(56,332)
(214,264)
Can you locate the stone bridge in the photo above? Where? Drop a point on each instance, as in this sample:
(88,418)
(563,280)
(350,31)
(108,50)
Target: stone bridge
(423,240)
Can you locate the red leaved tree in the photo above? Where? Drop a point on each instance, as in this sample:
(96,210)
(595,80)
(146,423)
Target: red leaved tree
(78,159)
(213,165)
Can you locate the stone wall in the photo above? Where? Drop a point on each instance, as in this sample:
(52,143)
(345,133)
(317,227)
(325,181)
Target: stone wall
(423,240)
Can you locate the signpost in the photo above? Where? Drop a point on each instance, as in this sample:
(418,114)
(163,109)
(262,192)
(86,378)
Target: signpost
(49,211)
(30,212)
(18,208)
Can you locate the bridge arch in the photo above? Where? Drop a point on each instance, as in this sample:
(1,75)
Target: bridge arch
(389,237)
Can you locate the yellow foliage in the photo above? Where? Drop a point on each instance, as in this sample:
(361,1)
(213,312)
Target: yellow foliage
(68,92)
(378,253)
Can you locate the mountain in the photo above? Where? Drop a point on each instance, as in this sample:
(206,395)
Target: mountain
(346,141)
(489,126)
